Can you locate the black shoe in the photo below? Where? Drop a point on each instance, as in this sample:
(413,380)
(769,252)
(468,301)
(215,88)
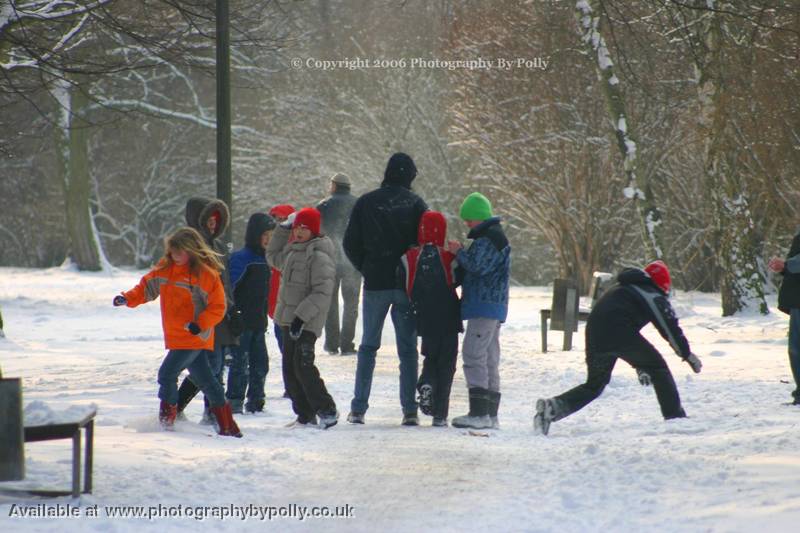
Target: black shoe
(348,350)
(426,399)
(410,419)
(355,418)
(236,406)
(439,422)
(332,352)
(302,422)
(329,419)
(254,407)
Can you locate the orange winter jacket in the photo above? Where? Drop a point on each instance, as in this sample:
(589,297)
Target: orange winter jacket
(185,297)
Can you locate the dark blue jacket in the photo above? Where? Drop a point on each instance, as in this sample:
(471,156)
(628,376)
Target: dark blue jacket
(250,273)
(487,268)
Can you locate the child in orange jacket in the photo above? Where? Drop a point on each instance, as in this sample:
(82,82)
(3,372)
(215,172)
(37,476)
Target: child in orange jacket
(192,303)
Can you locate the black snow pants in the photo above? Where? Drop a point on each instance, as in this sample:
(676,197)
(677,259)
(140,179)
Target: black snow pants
(303,383)
(440,354)
(640,354)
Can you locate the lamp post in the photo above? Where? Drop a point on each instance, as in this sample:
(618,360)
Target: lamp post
(224,188)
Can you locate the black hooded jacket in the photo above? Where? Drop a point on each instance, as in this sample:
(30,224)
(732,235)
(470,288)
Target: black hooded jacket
(383,225)
(250,273)
(789,294)
(198,211)
(627,307)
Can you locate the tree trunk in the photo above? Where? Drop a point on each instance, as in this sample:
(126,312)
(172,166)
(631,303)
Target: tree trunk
(638,187)
(742,278)
(72,144)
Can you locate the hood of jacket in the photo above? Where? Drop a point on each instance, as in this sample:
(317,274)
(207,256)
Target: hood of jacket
(199,210)
(432,228)
(256,226)
(636,276)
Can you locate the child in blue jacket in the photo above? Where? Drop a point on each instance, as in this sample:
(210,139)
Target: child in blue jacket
(250,275)
(484,305)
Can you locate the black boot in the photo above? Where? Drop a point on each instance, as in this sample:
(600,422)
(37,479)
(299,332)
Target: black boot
(478,417)
(187,391)
(494,405)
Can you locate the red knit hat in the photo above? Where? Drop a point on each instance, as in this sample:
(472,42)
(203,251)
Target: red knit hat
(309,218)
(659,273)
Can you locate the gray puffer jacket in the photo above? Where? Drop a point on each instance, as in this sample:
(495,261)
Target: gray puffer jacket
(307,278)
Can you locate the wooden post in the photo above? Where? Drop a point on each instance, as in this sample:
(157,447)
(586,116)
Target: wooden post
(12,435)
(570,316)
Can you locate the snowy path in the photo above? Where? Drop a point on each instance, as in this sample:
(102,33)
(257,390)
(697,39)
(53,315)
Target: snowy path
(615,466)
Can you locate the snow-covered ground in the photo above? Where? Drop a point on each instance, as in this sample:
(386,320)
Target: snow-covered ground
(734,465)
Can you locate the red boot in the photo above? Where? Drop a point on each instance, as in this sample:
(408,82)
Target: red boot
(167,414)
(227,425)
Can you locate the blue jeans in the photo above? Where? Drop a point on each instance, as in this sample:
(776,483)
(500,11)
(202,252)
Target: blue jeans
(196,361)
(373,311)
(794,350)
(249,367)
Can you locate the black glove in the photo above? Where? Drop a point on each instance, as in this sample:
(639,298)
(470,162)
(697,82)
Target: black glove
(193,328)
(235,322)
(306,354)
(694,362)
(296,328)
(120,300)
(644,378)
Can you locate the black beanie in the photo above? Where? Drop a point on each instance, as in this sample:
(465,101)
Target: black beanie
(400,170)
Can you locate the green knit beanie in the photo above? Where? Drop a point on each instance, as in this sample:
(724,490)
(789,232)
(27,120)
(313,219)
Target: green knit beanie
(476,207)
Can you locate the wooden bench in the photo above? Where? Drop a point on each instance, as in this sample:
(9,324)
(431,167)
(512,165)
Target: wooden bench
(564,313)
(69,430)
(14,435)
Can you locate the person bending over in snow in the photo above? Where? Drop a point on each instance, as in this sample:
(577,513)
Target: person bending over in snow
(192,303)
(484,305)
(306,262)
(430,280)
(612,331)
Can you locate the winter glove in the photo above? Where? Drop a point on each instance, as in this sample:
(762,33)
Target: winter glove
(296,328)
(193,328)
(694,362)
(120,300)
(235,322)
(289,221)
(644,378)
(306,354)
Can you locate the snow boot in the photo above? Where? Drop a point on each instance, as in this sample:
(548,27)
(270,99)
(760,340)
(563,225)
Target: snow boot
(494,405)
(186,392)
(227,425)
(545,414)
(167,414)
(328,419)
(355,418)
(478,416)
(426,399)
(410,419)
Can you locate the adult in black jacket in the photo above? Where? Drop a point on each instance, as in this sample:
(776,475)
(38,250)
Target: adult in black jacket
(335,211)
(789,303)
(383,225)
(612,331)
